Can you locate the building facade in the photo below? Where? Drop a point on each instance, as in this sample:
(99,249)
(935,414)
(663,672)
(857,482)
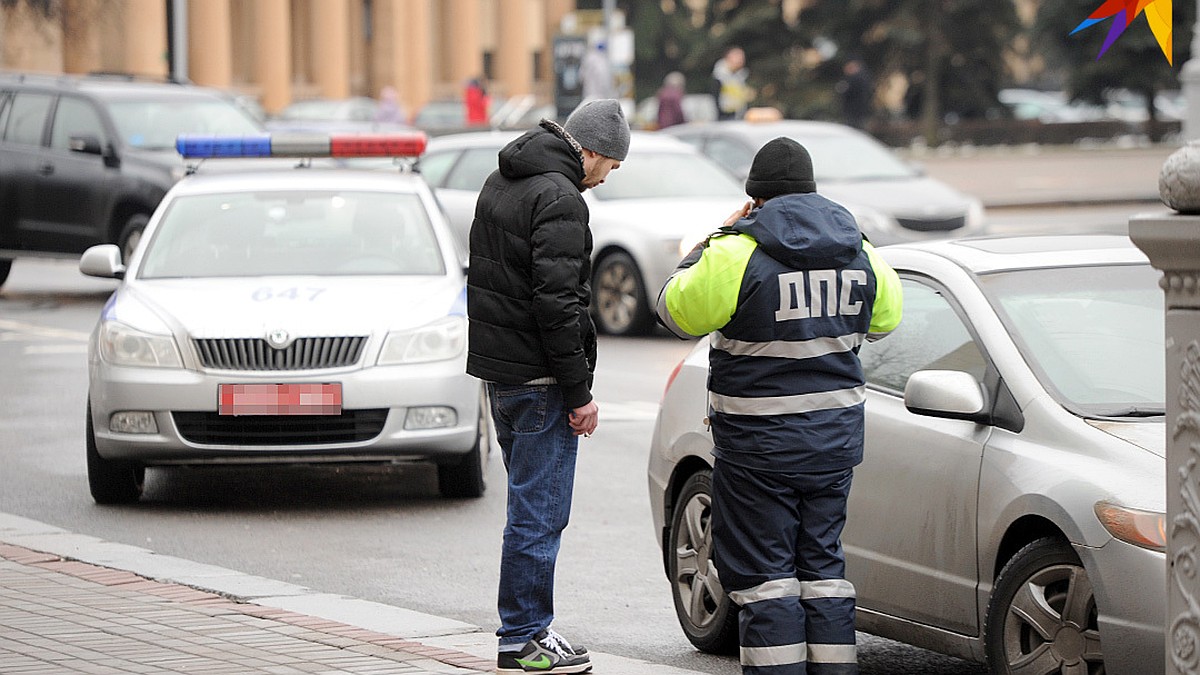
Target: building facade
(280,51)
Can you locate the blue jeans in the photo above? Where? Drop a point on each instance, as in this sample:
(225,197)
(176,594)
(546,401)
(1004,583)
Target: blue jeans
(539,451)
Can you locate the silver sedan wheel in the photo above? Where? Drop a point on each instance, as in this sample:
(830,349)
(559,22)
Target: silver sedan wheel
(707,616)
(1049,623)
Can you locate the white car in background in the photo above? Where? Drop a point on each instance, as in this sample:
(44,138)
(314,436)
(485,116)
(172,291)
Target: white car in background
(645,218)
(295,314)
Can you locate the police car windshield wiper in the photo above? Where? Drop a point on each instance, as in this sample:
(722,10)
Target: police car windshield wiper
(1134,411)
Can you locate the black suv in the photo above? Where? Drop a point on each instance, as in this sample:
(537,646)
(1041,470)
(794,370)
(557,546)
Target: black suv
(85,159)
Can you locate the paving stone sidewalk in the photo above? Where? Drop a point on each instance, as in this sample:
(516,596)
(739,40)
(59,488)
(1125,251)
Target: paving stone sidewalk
(63,616)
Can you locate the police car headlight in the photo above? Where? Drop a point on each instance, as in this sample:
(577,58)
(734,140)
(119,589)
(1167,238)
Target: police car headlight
(121,345)
(441,340)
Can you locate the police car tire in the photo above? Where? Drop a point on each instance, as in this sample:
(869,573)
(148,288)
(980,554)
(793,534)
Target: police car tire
(1049,567)
(466,479)
(111,482)
(720,634)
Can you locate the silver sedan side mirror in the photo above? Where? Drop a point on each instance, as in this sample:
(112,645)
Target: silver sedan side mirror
(952,394)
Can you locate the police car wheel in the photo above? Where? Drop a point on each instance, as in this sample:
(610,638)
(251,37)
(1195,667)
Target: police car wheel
(111,482)
(1043,609)
(706,614)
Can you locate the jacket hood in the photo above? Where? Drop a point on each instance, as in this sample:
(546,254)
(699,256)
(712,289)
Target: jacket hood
(545,149)
(804,231)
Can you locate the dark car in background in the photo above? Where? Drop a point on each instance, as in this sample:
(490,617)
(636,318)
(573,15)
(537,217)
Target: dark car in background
(85,160)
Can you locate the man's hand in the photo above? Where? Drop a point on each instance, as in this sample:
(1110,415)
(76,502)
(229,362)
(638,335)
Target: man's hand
(739,214)
(584,419)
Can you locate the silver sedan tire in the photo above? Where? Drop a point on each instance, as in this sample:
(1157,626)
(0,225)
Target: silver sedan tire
(619,296)
(705,612)
(111,481)
(467,478)
(1042,616)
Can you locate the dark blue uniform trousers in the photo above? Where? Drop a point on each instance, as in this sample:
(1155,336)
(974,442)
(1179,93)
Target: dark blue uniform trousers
(778,552)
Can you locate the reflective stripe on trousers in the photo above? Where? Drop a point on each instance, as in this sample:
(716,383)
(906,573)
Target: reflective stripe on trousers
(777,541)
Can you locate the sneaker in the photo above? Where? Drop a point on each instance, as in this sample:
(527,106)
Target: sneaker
(547,652)
(578,650)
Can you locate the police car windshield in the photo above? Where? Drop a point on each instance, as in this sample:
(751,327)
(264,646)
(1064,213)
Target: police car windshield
(311,233)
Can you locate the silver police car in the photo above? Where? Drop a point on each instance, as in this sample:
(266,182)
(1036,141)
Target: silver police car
(290,313)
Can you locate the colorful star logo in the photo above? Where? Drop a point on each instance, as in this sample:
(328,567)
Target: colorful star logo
(1158,14)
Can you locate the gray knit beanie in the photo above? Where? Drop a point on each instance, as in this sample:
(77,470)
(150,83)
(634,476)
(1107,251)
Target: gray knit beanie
(600,126)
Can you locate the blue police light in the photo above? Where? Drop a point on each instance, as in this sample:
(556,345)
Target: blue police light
(196,146)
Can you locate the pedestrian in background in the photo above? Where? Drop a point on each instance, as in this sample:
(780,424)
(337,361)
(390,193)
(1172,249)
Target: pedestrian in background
(477,102)
(389,110)
(596,74)
(670,100)
(856,93)
(531,339)
(789,289)
(729,85)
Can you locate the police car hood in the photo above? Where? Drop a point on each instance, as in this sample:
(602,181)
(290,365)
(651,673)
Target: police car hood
(302,306)
(804,231)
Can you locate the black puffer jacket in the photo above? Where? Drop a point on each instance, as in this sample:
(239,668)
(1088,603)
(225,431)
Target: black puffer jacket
(528,286)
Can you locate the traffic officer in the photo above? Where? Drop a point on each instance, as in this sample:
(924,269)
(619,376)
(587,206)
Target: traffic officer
(789,290)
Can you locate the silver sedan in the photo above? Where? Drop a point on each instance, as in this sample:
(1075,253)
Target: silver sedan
(1011,503)
(280,316)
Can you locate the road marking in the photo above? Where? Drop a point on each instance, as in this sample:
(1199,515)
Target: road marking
(34,330)
(629,411)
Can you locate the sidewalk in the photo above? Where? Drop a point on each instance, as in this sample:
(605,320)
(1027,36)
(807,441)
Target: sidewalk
(1045,176)
(70,603)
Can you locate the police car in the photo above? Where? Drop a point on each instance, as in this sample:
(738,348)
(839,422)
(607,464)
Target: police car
(286,311)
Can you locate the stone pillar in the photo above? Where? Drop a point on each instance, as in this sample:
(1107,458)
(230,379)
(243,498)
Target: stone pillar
(1172,242)
(81,37)
(210,43)
(145,37)
(273,53)
(462,41)
(514,59)
(331,47)
(413,62)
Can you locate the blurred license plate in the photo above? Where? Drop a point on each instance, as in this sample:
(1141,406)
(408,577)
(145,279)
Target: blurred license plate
(280,399)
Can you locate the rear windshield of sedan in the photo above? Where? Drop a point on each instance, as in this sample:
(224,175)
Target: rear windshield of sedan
(154,124)
(318,233)
(1094,335)
(848,157)
(668,175)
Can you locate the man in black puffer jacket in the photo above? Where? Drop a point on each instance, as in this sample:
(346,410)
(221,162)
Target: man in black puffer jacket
(532,340)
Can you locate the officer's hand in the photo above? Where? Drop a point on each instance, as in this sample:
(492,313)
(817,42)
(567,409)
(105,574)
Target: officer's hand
(584,419)
(739,214)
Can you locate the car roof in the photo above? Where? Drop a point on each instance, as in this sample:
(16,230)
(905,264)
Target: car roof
(983,255)
(638,141)
(281,174)
(779,128)
(110,86)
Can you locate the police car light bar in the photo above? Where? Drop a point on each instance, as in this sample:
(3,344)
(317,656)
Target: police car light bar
(201,146)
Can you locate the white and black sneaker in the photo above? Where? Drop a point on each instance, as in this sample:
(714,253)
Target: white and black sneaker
(547,652)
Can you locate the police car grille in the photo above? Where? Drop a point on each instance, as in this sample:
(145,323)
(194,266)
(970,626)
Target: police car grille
(210,428)
(257,354)
(933,224)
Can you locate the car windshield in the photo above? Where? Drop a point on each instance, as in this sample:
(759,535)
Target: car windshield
(154,124)
(847,157)
(315,233)
(325,110)
(668,175)
(1095,335)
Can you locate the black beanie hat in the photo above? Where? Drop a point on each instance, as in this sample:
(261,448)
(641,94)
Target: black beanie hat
(781,167)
